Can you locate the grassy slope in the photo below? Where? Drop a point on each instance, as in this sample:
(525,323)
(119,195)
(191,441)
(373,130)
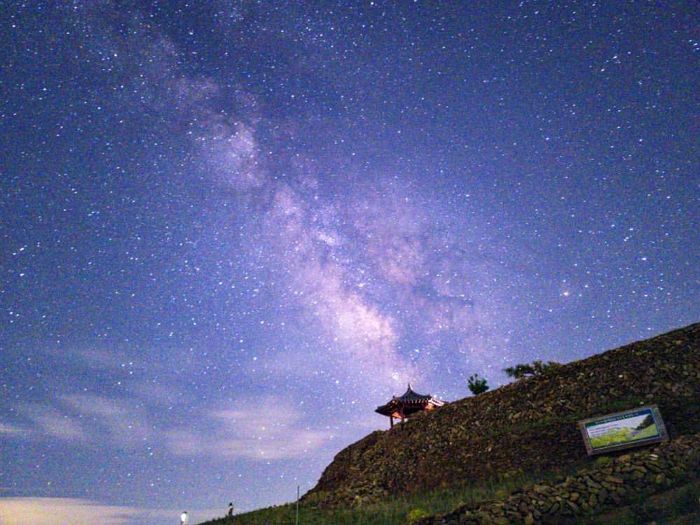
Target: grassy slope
(445,497)
(677,506)
(394,512)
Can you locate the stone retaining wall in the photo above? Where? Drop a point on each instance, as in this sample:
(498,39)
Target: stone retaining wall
(609,481)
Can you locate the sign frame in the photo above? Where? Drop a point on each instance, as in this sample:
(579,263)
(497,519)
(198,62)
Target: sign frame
(652,410)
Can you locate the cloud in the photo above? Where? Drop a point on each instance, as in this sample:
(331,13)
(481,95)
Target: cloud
(156,393)
(54,423)
(83,418)
(100,359)
(58,511)
(186,442)
(120,421)
(270,428)
(73,511)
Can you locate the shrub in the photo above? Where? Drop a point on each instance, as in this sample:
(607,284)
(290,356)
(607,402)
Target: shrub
(477,385)
(536,368)
(603,461)
(415,514)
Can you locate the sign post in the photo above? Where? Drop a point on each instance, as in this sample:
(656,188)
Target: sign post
(621,430)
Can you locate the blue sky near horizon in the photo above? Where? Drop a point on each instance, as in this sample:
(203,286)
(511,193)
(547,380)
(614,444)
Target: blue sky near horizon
(229,230)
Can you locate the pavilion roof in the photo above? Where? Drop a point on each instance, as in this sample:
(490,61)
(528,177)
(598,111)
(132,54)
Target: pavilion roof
(409,398)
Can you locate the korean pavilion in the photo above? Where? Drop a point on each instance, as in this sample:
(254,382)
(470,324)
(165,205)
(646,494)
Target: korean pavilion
(407,405)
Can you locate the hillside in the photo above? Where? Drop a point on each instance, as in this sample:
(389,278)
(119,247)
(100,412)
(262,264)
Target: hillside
(526,426)
(515,455)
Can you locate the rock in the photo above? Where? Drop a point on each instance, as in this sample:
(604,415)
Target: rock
(574,508)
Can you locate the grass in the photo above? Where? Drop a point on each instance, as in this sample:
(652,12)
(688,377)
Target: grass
(397,511)
(677,506)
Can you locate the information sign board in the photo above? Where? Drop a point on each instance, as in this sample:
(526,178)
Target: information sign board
(631,428)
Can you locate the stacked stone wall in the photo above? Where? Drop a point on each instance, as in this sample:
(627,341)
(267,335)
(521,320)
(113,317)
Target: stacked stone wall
(608,482)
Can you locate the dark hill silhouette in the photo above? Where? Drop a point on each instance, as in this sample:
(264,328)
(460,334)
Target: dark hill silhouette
(528,425)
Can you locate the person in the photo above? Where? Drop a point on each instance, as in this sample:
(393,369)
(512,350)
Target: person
(183,518)
(230,510)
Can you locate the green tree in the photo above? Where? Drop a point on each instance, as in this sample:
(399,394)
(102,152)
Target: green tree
(536,368)
(519,371)
(477,385)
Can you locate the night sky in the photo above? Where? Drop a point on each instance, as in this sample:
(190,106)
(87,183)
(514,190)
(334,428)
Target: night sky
(230,229)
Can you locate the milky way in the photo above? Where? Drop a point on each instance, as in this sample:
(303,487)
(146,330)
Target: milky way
(230,230)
